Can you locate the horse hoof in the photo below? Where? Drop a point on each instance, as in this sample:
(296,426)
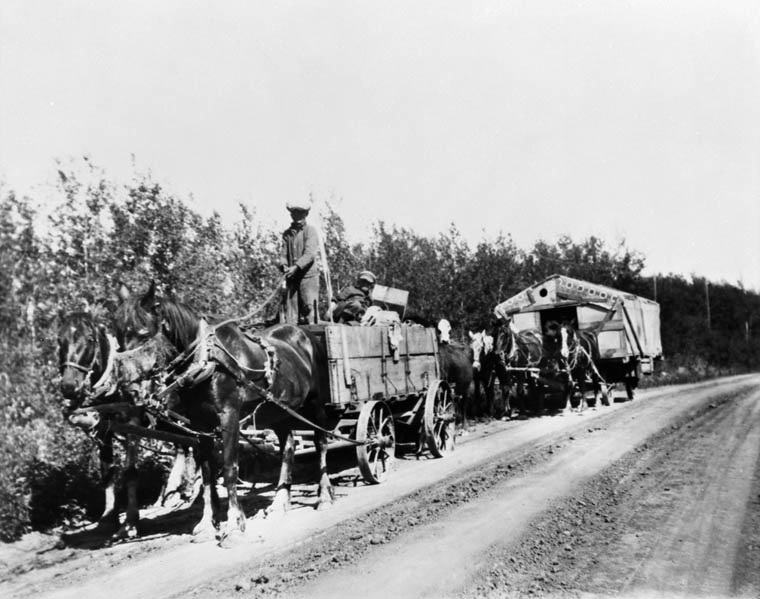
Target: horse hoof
(204,530)
(274,513)
(107,526)
(125,533)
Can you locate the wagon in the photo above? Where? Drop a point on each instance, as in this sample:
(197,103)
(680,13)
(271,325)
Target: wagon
(382,393)
(626,326)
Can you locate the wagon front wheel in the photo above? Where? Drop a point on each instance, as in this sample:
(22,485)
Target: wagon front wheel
(376,432)
(439,421)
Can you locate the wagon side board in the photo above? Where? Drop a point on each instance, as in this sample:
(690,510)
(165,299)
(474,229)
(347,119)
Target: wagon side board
(378,362)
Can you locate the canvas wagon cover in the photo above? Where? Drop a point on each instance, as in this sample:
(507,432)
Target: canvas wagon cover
(366,361)
(625,324)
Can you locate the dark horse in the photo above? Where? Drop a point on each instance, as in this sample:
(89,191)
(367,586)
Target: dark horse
(86,357)
(268,377)
(580,351)
(456,368)
(90,366)
(483,374)
(517,356)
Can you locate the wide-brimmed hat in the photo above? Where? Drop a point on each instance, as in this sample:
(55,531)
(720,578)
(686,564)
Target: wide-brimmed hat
(303,205)
(367,276)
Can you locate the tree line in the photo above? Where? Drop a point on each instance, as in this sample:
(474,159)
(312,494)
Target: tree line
(73,249)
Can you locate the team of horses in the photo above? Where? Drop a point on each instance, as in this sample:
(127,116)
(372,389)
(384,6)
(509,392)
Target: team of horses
(532,367)
(162,364)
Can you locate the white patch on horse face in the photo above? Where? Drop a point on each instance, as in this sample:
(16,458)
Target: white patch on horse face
(444,328)
(564,350)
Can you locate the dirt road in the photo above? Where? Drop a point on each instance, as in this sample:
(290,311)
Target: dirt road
(659,496)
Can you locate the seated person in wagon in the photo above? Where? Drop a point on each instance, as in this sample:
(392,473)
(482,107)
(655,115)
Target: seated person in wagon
(352,301)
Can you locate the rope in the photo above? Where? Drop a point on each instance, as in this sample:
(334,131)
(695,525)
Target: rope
(258,309)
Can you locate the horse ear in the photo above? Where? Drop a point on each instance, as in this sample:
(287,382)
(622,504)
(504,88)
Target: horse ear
(471,334)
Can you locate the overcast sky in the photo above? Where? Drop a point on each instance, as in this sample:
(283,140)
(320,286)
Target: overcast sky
(635,120)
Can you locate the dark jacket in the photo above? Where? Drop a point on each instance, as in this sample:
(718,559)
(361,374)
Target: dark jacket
(300,248)
(352,303)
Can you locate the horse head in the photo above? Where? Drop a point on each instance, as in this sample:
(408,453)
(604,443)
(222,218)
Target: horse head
(555,339)
(481,345)
(85,357)
(444,331)
(139,319)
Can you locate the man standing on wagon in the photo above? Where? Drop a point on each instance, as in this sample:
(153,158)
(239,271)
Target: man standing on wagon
(298,261)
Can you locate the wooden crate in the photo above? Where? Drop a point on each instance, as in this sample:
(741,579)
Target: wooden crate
(390,298)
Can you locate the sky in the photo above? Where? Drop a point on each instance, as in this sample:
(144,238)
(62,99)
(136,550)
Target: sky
(628,120)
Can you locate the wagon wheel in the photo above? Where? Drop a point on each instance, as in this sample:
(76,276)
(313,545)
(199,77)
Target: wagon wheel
(439,420)
(375,428)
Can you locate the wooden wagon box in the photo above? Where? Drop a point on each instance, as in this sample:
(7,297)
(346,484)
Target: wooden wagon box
(368,362)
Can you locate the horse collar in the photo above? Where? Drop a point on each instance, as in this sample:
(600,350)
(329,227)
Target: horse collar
(105,385)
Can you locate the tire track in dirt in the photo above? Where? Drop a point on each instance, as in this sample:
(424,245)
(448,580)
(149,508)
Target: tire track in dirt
(278,556)
(450,554)
(673,518)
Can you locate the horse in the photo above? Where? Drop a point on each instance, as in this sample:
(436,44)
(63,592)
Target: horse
(517,355)
(86,355)
(455,367)
(580,352)
(90,367)
(483,368)
(275,377)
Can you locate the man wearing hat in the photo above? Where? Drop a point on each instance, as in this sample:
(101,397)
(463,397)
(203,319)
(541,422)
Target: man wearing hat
(353,300)
(298,261)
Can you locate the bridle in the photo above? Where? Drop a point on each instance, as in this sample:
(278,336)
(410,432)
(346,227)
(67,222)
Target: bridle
(102,385)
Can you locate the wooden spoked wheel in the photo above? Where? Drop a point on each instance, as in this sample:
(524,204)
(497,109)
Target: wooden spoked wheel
(439,421)
(376,431)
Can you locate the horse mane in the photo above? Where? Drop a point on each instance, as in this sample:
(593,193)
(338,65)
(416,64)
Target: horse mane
(75,319)
(180,323)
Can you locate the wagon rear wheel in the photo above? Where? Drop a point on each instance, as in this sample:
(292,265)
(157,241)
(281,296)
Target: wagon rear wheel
(439,421)
(376,430)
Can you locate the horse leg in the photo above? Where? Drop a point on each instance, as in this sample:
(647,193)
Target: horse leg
(230,425)
(109,519)
(326,493)
(184,481)
(128,530)
(477,394)
(568,391)
(582,404)
(281,502)
(209,520)
(594,388)
(505,387)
